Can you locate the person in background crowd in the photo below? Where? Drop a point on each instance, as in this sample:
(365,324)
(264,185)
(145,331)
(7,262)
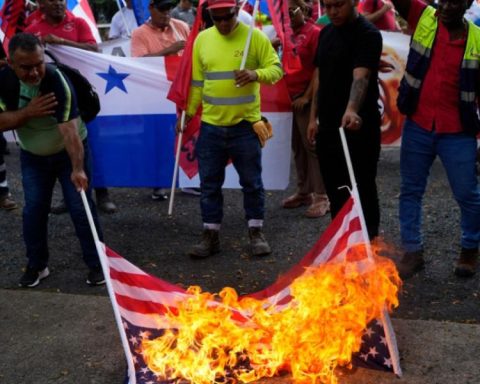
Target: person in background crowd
(232,127)
(123,22)
(382,14)
(310,189)
(55,25)
(323,19)
(244,16)
(439,94)
(6,201)
(161,35)
(312,9)
(39,103)
(346,95)
(185,11)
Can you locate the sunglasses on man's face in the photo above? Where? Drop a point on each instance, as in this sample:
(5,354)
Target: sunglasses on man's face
(226,17)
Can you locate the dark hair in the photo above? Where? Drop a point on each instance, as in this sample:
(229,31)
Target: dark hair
(25,42)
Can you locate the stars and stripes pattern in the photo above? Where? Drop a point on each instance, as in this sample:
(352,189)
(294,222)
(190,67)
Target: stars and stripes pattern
(143,300)
(374,351)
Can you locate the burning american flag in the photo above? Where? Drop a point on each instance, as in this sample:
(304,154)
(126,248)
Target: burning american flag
(327,311)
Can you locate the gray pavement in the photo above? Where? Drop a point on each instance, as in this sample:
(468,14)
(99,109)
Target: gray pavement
(50,337)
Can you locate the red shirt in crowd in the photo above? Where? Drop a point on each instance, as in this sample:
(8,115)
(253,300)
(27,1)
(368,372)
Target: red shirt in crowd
(438,105)
(307,40)
(70,28)
(385,23)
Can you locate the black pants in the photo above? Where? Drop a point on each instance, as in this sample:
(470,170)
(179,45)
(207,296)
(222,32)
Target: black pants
(364,148)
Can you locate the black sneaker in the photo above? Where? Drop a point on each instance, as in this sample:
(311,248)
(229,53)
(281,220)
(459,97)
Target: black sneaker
(106,205)
(158,194)
(95,277)
(31,278)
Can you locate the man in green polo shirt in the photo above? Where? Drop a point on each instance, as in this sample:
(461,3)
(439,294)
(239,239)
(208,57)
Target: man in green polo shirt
(37,100)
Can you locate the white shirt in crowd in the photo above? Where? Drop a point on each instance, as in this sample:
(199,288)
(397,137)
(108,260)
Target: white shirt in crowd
(244,17)
(118,28)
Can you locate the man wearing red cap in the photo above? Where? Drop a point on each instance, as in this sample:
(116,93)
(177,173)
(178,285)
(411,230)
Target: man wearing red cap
(232,128)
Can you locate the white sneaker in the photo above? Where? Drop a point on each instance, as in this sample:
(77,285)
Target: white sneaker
(192,191)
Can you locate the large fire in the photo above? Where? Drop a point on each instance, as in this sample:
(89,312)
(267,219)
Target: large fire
(219,338)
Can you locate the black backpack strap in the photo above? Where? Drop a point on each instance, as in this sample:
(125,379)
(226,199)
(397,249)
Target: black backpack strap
(51,56)
(10,89)
(46,84)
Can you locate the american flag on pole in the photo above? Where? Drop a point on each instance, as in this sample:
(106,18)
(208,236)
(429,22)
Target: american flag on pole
(141,300)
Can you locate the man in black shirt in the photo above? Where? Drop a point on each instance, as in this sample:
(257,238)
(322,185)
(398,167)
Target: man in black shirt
(346,95)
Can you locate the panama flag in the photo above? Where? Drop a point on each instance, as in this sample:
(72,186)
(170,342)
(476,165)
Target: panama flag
(81,8)
(132,139)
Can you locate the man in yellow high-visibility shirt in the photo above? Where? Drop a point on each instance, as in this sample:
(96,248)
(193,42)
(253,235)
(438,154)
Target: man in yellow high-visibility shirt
(231,122)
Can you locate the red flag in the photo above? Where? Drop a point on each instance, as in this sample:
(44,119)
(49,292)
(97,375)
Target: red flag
(178,93)
(12,16)
(143,300)
(281,22)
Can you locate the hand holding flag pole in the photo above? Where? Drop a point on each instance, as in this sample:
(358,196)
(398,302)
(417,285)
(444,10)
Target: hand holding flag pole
(111,293)
(385,318)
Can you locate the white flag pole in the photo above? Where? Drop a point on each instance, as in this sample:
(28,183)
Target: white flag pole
(179,144)
(119,5)
(177,163)
(108,281)
(385,317)
(250,33)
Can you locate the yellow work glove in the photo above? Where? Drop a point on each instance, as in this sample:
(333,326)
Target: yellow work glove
(264,130)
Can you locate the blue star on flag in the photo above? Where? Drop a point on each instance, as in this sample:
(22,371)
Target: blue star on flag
(114,79)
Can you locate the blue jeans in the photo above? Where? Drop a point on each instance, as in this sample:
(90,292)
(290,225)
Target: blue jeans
(215,146)
(39,174)
(458,154)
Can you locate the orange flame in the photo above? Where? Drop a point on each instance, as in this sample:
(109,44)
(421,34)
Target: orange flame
(226,338)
